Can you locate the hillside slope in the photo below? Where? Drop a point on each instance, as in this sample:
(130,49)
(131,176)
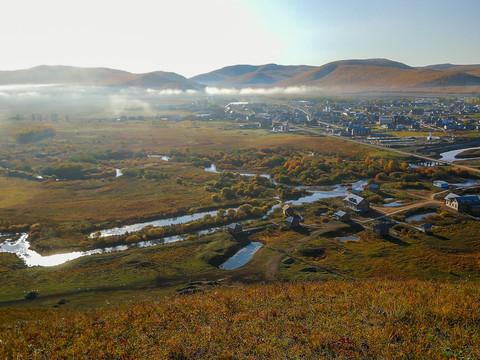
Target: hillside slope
(342,320)
(381,75)
(250,75)
(69,75)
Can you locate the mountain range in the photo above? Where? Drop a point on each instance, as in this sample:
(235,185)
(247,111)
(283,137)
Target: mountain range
(350,76)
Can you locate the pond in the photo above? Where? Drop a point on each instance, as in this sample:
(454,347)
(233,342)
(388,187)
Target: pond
(396,203)
(419,217)
(242,256)
(315,195)
(349,238)
(470,182)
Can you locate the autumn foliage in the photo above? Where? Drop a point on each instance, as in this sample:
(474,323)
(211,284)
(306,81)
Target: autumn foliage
(341,320)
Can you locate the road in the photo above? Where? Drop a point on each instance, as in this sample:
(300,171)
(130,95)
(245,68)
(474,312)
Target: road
(397,151)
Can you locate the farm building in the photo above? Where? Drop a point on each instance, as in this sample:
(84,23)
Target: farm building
(441,184)
(427,228)
(234,228)
(468,203)
(356,203)
(289,211)
(381,228)
(292,222)
(341,215)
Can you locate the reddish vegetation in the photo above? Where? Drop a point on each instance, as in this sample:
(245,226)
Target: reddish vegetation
(343,320)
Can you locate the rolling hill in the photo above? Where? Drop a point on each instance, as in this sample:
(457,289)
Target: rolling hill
(382,75)
(349,76)
(344,76)
(250,75)
(96,77)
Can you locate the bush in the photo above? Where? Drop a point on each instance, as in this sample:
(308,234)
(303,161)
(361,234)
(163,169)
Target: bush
(132,239)
(31,295)
(33,133)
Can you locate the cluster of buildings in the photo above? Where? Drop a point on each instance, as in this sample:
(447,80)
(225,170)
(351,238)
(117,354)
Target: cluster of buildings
(362,118)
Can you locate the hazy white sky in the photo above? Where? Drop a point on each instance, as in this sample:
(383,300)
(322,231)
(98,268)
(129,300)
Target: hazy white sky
(196,36)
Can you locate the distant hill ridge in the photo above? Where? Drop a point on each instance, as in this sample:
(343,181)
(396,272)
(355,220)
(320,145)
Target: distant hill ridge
(349,76)
(96,77)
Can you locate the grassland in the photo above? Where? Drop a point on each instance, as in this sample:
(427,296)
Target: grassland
(407,293)
(341,320)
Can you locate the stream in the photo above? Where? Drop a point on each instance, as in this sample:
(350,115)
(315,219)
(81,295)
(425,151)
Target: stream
(21,246)
(451,155)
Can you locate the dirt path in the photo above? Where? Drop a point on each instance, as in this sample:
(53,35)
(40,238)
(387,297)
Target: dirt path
(398,209)
(271,266)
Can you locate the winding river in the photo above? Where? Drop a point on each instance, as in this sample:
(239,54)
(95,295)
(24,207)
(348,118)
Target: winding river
(450,155)
(21,246)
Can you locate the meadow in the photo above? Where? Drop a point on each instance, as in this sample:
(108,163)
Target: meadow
(394,296)
(372,319)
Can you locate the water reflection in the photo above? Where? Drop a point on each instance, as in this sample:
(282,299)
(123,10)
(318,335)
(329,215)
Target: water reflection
(450,156)
(420,216)
(242,256)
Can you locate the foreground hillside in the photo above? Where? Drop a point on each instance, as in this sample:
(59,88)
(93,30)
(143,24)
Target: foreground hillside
(354,320)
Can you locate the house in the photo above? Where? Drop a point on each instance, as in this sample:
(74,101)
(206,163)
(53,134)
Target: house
(292,222)
(381,228)
(358,130)
(385,120)
(341,216)
(449,197)
(234,228)
(441,184)
(427,229)
(288,211)
(356,203)
(468,203)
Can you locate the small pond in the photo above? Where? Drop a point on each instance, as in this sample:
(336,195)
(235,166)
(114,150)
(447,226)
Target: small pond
(242,256)
(420,216)
(394,203)
(349,238)
(470,182)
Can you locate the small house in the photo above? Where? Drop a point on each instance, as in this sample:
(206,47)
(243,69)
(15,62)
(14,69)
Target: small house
(289,211)
(234,228)
(449,197)
(427,229)
(381,228)
(441,184)
(341,216)
(292,221)
(356,203)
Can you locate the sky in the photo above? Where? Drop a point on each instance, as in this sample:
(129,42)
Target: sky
(191,37)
